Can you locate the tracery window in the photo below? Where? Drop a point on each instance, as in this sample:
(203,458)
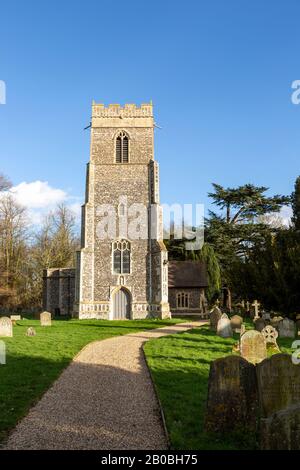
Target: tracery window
(122,143)
(121,256)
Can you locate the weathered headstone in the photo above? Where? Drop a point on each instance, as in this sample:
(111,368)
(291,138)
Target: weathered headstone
(242,329)
(253,346)
(6,328)
(270,334)
(232,402)
(275,320)
(45,319)
(266,316)
(259,324)
(30,331)
(214,317)
(236,322)
(2,353)
(15,317)
(286,328)
(224,327)
(279,392)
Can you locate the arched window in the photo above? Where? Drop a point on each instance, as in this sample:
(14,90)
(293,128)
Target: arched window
(121,257)
(122,148)
(182,300)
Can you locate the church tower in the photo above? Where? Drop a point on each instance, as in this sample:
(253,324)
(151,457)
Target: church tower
(122,267)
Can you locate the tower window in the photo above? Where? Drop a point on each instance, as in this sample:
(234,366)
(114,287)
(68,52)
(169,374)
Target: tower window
(182,300)
(122,148)
(121,257)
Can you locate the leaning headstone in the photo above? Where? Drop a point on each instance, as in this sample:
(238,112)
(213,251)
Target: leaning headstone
(236,322)
(6,328)
(279,391)
(232,402)
(45,319)
(30,331)
(259,324)
(271,334)
(286,328)
(214,317)
(253,346)
(224,327)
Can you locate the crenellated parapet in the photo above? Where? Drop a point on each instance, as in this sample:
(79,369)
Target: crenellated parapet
(116,110)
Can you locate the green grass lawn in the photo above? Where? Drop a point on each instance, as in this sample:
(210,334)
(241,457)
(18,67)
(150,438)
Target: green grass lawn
(180,368)
(33,363)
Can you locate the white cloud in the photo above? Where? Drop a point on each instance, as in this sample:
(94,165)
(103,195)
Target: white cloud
(38,194)
(40,198)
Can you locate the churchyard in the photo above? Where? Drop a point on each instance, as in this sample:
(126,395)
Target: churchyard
(37,351)
(232,384)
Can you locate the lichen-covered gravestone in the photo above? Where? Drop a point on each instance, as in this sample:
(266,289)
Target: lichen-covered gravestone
(276,320)
(6,328)
(271,334)
(259,324)
(45,319)
(279,391)
(286,328)
(214,317)
(224,327)
(236,322)
(232,402)
(253,346)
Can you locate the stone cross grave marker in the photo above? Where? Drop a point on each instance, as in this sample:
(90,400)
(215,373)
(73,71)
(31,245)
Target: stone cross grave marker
(253,346)
(279,392)
(214,317)
(270,334)
(45,319)
(224,327)
(232,402)
(256,306)
(6,328)
(286,328)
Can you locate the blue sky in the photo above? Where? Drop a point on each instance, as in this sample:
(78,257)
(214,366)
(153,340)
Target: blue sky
(219,74)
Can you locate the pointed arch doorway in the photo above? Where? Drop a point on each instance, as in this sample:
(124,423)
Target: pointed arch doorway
(121,304)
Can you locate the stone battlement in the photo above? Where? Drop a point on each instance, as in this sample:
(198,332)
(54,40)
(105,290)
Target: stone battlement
(116,110)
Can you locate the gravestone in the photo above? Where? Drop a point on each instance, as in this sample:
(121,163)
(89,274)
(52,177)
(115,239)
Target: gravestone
(232,402)
(214,317)
(276,320)
(30,331)
(298,326)
(2,353)
(242,329)
(259,324)
(6,328)
(236,322)
(279,394)
(15,317)
(253,346)
(270,334)
(266,316)
(45,319)
(256,306)
(286,328)
(224,327)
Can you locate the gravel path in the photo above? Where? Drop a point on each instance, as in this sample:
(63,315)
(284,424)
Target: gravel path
(103,400)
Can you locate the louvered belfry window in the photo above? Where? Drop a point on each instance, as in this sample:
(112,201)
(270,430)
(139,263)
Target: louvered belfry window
(122,148)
